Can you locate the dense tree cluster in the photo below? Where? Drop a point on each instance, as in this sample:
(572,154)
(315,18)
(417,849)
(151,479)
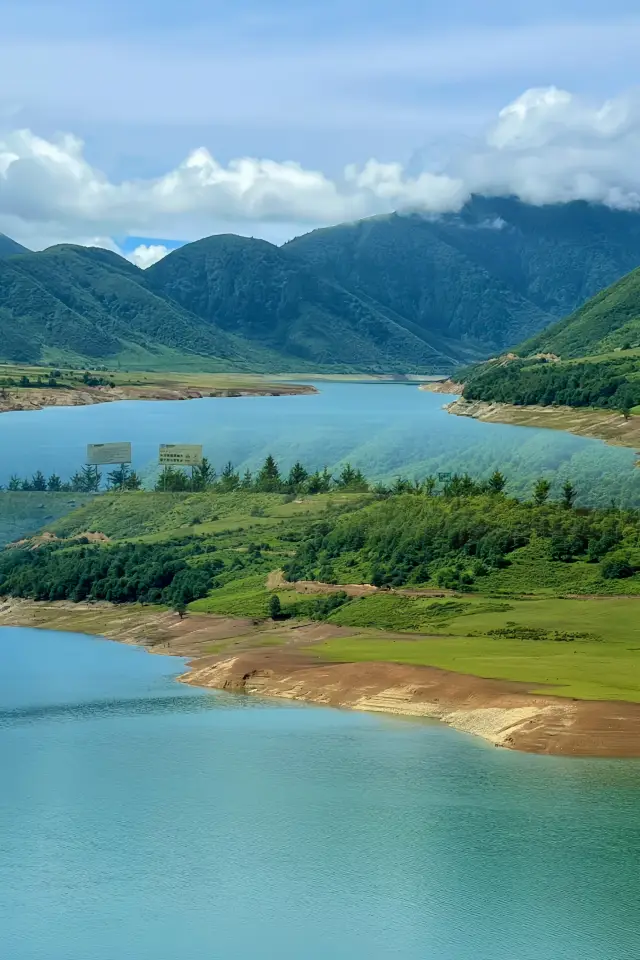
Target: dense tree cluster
(455,539)
(452,533)
(609,383)
(126,573)
(86,480)
(268,479)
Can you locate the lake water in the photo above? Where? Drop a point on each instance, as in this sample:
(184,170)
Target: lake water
(386,429)
(144,820)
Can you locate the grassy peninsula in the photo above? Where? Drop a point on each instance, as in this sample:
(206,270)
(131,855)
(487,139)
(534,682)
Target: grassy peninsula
(457,577)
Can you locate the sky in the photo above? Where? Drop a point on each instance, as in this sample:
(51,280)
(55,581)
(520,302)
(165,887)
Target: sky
(140,126)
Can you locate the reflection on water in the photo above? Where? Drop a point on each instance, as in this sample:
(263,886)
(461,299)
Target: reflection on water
(385,429)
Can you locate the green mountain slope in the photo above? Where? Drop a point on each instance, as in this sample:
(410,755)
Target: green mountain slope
(589,359)
(9,247)
(82,302)
(394,293)
(268,297)
(608,321)
(492,275)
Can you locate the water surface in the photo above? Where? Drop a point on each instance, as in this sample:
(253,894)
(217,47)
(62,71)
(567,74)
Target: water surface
(142,819)
(386,429)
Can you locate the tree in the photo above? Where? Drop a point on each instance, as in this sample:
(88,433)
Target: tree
(86,480)
(204,475)
(247,480)
(568,494)
(275,607)
(123,478)
(24,381)
(541,491)
(172,480)
(352,479)
(401,485)
(347,476)
(54,483)
(561,548)
(229,478)
(297,477)
(38,481)
(314,483)
(429,485)
(14,483)
(268,479)
(496,482)
(617,566)
(180,608)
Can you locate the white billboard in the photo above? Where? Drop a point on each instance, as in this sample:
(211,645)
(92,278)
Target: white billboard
(105,453)
(180,454)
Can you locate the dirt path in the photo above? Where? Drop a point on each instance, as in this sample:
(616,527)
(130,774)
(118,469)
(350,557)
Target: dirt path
(276,581)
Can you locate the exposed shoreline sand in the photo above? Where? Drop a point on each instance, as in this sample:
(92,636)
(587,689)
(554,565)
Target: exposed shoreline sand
(608,425)
(272,660)
(36,398)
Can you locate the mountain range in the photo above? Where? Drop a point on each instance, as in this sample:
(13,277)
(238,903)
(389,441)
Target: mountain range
(393,293)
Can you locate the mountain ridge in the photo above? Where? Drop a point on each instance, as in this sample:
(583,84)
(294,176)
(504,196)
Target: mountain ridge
(396,293)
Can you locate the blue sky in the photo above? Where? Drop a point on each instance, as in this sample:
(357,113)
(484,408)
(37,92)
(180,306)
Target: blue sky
(325,85)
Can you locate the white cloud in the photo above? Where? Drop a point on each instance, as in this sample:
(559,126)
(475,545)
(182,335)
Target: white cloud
(550,146)
(145,255)
(547,146)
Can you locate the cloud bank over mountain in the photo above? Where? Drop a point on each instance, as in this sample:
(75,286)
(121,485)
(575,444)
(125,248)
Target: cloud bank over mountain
(547,146)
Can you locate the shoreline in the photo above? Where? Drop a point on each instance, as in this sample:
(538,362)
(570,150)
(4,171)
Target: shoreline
(34,398)
(590,422)
(609,426)
(268,659)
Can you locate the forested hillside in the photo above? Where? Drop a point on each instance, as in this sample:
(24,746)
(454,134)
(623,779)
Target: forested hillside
(605,331)
(389,294)
(257,291)
(494,274)
(612,384)
(466,536)
(73,302)
(608,321)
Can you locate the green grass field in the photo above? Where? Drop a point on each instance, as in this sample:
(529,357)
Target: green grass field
(153,517)
(178,371)
(583,648)
(606,667)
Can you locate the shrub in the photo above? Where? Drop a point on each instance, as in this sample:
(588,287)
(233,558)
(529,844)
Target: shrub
(617,566)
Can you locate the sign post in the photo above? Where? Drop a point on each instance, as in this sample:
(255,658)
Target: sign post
(180,455)
(108,454)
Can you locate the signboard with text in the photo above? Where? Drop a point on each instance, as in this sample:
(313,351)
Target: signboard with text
(105,453)
(180,454)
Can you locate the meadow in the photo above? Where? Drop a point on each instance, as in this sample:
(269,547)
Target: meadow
(559,625)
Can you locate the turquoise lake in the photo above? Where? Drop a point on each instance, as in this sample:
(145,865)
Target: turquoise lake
(144,820)
(386,429)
